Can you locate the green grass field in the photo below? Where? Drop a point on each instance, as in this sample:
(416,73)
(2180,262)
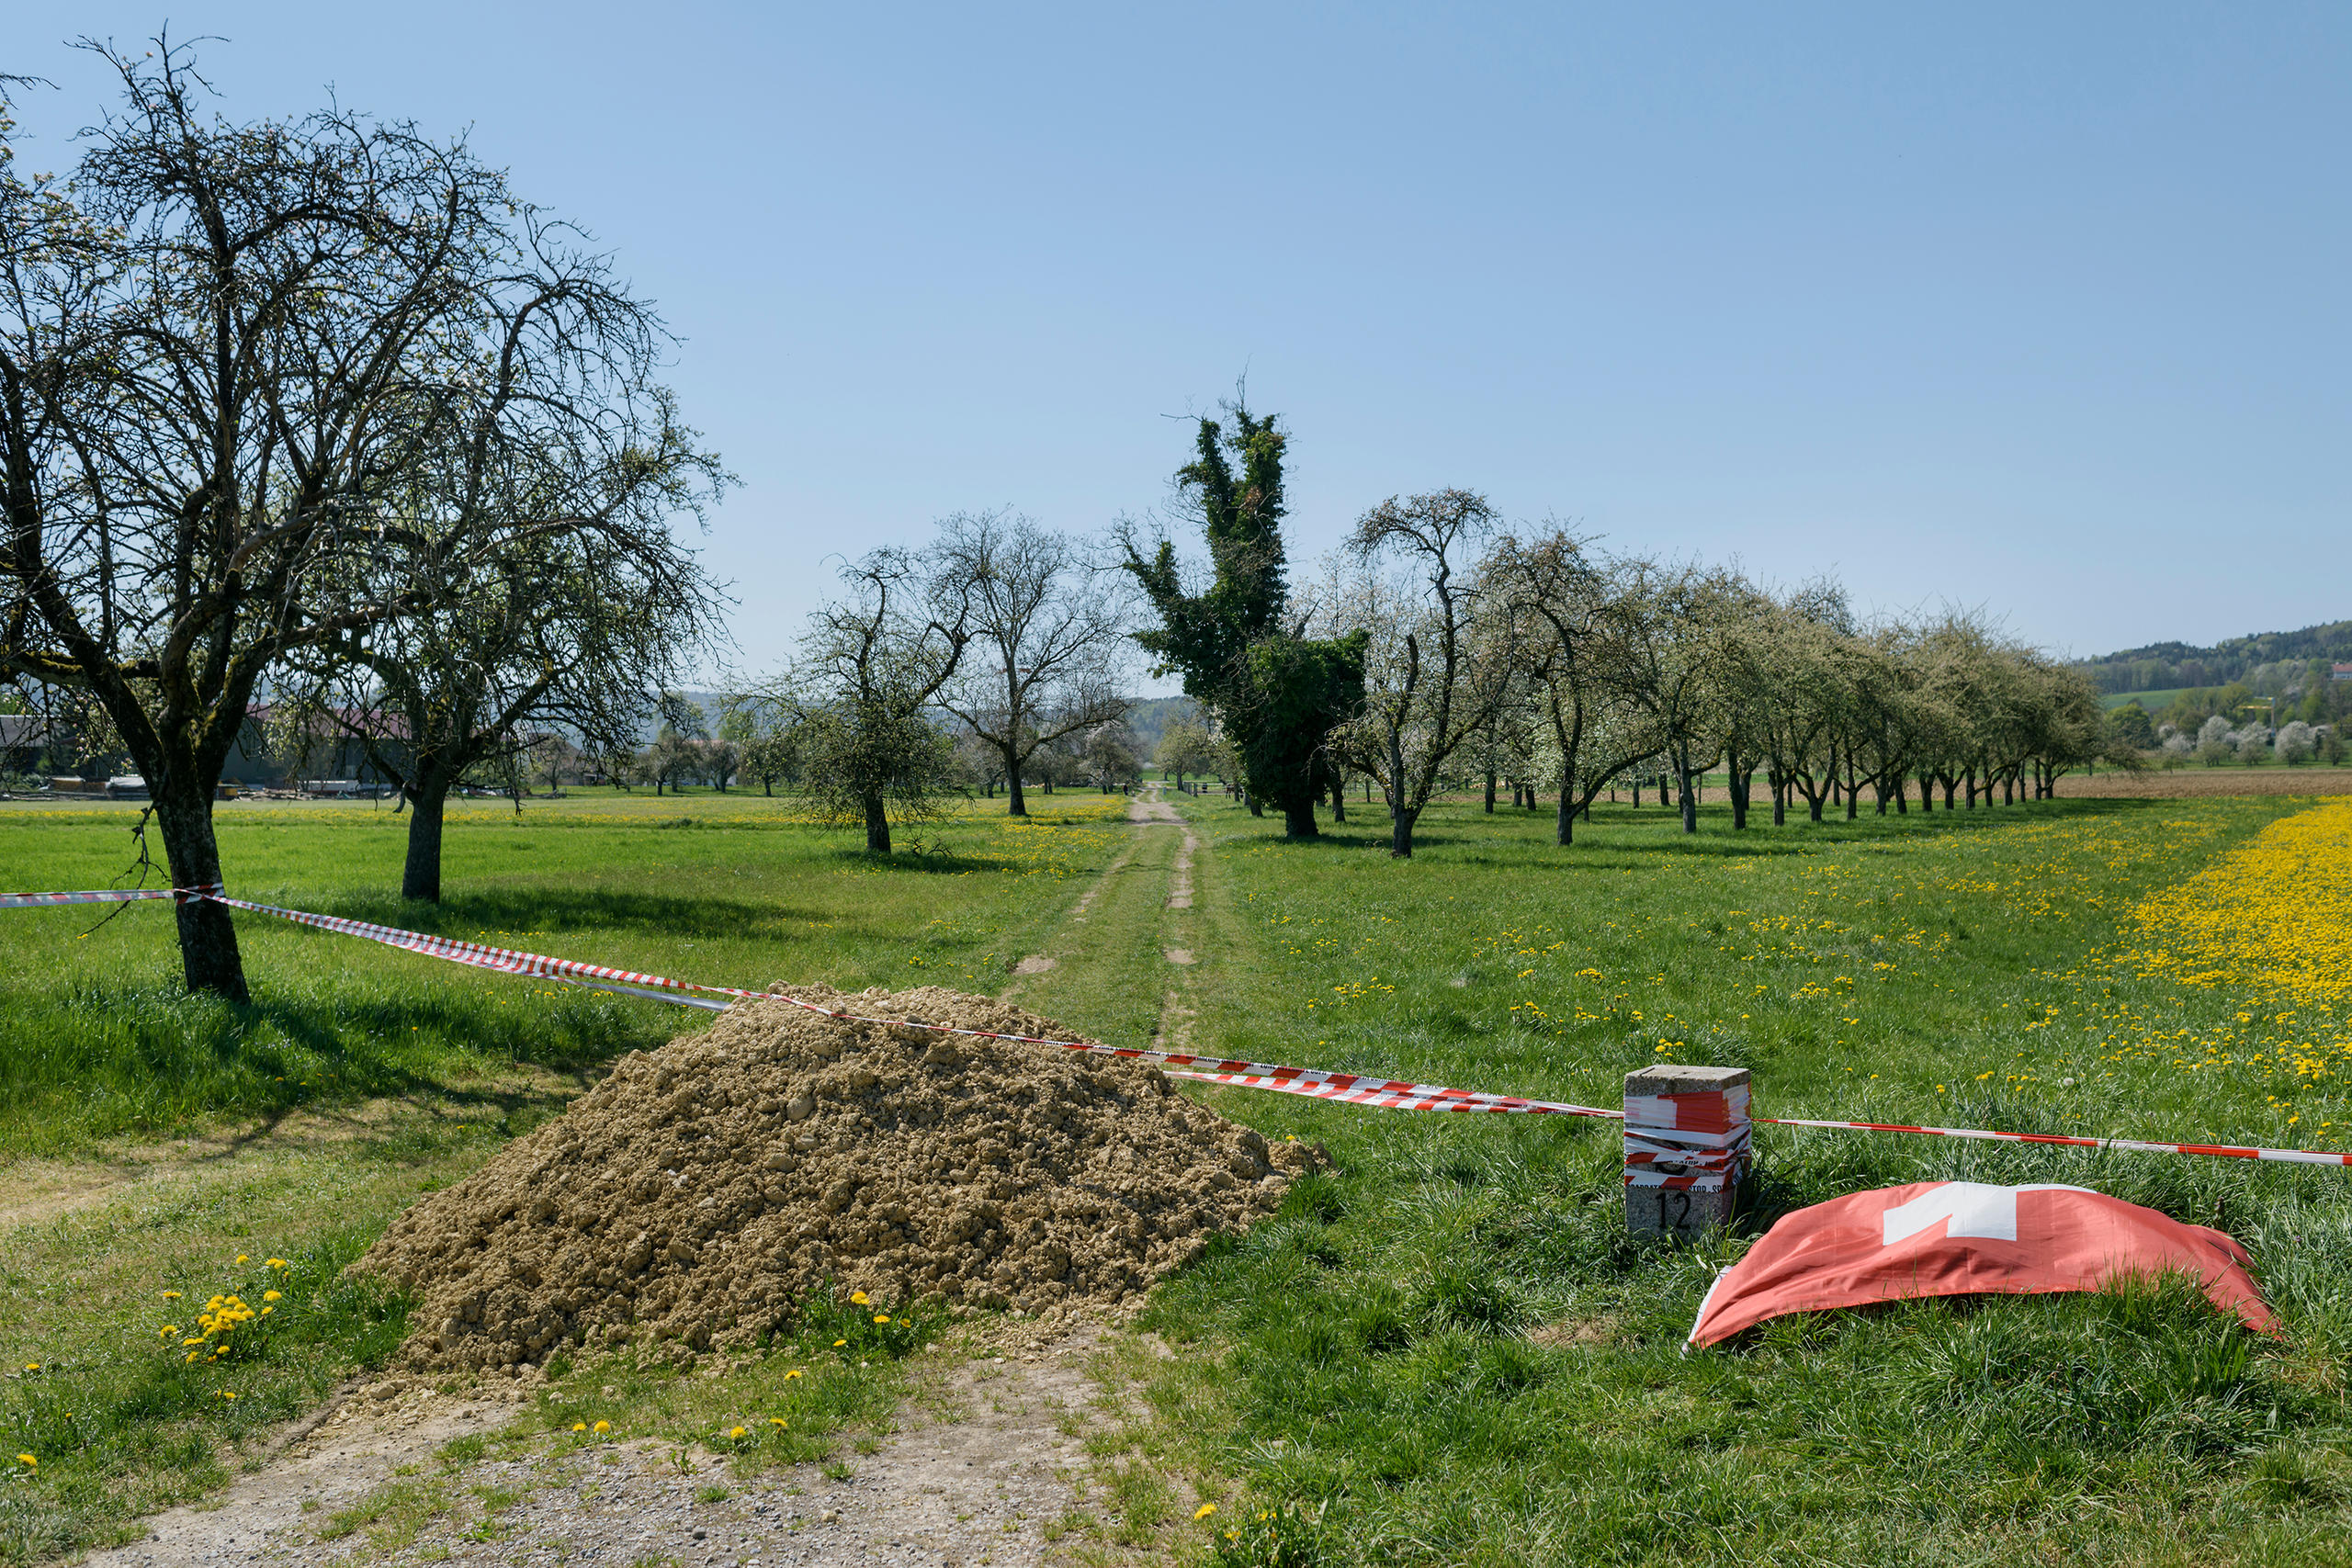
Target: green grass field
(300,1125)
(1446,1351)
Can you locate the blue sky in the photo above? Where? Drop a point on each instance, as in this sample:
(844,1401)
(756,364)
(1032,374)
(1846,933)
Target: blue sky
(2038,308)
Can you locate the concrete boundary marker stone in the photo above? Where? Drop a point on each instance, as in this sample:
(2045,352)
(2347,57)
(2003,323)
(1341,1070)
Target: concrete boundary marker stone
(1686,1148)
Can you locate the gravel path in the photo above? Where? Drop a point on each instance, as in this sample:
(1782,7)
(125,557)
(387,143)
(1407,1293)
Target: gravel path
(975,1472)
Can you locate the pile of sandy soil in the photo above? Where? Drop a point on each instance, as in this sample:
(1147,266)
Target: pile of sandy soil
(703,1189)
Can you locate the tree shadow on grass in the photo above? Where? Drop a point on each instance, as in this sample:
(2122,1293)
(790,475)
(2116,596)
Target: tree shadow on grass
(468,916)
(921,863)
(124,1058)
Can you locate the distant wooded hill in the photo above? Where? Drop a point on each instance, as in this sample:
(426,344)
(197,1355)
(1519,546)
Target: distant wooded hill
(1149,720)
(2165,665)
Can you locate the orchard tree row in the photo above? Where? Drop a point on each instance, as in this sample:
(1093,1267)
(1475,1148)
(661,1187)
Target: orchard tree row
(1437,647)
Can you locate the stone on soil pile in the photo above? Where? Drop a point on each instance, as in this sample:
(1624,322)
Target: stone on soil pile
(703,1189)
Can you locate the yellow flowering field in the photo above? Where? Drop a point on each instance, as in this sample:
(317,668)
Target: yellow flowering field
(2274,916)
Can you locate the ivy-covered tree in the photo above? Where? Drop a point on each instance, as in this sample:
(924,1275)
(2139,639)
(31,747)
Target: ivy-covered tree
(1276,693)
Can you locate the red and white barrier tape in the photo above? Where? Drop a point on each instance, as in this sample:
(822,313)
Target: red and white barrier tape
(2126,1145)
(103,895)
(1353,1088)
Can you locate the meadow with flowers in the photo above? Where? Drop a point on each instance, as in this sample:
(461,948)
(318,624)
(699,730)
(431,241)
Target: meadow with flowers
(1450,1350)
(1444,1351)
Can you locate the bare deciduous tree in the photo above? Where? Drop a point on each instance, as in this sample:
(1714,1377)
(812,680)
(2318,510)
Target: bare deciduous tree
(860,696)
(534,532)
(1438,660)
(221,346)
(1048,630)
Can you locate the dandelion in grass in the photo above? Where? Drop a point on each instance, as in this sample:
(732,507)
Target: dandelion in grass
(779,1421)
(270,1296)
(29,1461)
(171,1295)
(580,1426)
(792,1373)
(736,1433)
(603,1426)
(881,1317)
(242,1258)
(857,1298)
(32,1366)
(839,1343)
(1205,1510)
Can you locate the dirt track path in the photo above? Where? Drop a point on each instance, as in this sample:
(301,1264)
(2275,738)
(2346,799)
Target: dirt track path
(987,1453)
(980,1464)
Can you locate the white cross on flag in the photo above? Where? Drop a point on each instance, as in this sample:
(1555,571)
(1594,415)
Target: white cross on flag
(1953,1238)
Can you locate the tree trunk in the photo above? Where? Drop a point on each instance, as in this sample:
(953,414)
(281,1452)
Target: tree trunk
(1689,797)
(1738,782)
(1400,836)
(1637,792)
(208,957)
(428,796)
(877,827)
(1257,806)
(1020,808)
(1564,830)
(1340,799)
(1298,799)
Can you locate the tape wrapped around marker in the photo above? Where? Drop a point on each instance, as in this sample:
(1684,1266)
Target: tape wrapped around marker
(1693,1142)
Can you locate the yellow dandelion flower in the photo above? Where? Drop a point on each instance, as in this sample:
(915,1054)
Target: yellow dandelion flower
(580,1426)
(857,1298)
(171,1295)
(228,1394)
(242,1258)
(790,1375)
(32,1366)
(269,1295)
(1205,1510)
(603,1425)
(735,1432)
(881,1317)
(28,1459)
(779,1420)
(839,1343)
(168,1331)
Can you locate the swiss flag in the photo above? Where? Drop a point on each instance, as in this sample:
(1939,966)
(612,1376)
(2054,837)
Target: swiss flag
(1954,1238)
